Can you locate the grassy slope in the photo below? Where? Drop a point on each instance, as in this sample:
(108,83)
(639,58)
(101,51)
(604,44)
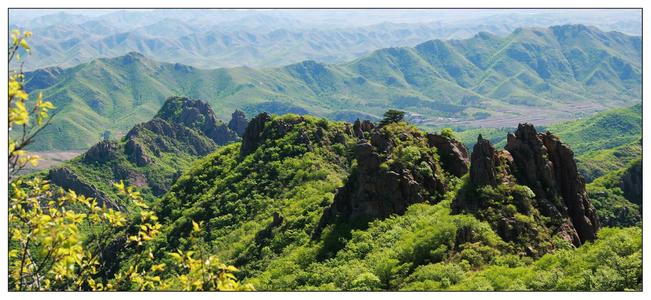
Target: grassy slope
(613,206)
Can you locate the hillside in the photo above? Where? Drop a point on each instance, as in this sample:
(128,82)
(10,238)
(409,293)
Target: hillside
(308,204)
(539,75)
(150,157)
(618,195)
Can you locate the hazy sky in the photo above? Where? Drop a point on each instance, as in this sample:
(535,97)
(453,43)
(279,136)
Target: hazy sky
(370,16)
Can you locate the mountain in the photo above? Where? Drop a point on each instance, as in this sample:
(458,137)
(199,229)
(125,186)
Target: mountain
(537,75)
(272,38)
(151,155)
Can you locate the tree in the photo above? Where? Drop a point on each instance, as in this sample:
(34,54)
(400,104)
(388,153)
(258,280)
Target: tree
(392,116)
(19,113)
(58,240)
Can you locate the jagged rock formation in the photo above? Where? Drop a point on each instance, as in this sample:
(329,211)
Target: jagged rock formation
(197,115)
(102,152)
(67,179)
(571,187)
(453,154)
(238,122)
(396,167)
(546,167)
(485,161)
(252,134)
(359,127)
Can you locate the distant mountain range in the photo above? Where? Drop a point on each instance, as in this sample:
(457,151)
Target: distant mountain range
(539,75)
(273,38)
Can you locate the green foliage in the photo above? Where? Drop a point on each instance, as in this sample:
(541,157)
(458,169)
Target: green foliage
(259,211)
(448,132)
(604,130)
(613,206)
(63,242)
(611,263)
(509,207)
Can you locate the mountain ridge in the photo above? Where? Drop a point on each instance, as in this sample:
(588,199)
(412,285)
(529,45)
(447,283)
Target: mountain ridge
(436,81)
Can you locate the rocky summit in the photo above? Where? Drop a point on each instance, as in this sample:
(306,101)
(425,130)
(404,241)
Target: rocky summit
(238,122)
(397,166)
(538,173)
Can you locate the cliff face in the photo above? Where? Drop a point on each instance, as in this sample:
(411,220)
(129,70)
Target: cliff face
(102,152)
(238,122)
(453,154)
(539,173)
(252,136)
(397,165)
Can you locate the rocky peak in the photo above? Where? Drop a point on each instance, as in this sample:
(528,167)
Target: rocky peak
(571,188)
(483,162)
(453,154)
(533,167)
(102,152)
(197,115)
(238,122)
(253,133)
(546,166)
(394,170)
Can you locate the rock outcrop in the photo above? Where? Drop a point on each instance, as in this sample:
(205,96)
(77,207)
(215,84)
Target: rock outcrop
(102,152)
(631,183)
(67,179)
(393,171)
(359,127)
(483,168)
(238,122)
(571,187)
(453,154)
(543,164)
(253,134)
(197,115)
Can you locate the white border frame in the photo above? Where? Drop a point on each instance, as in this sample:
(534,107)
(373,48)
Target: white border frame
(323,4)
